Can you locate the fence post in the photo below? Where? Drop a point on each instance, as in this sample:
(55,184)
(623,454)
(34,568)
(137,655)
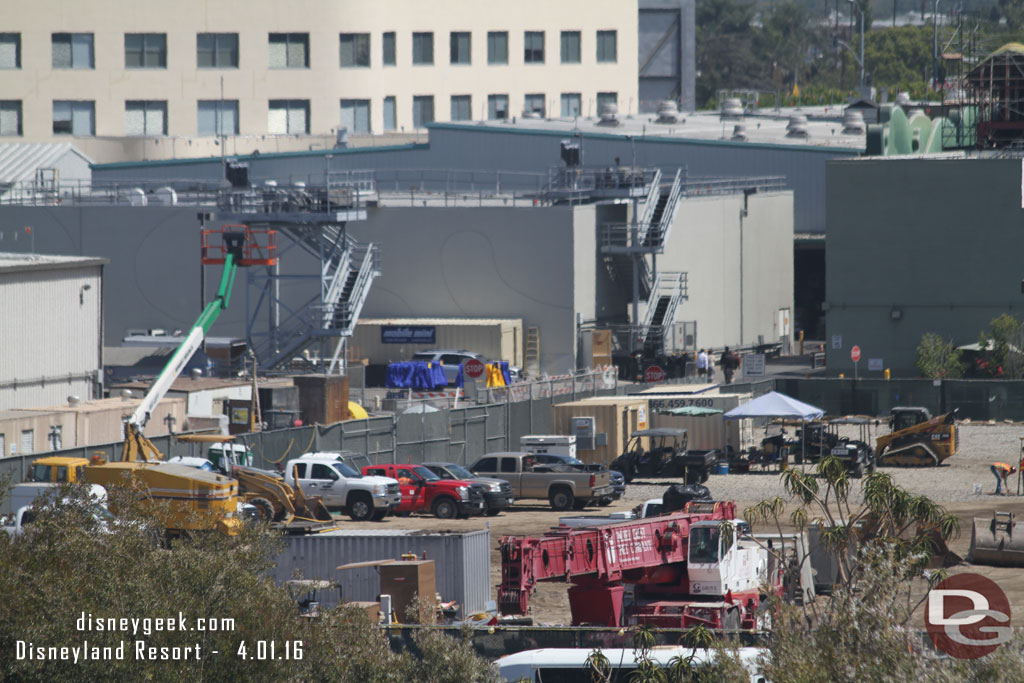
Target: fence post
(508,418)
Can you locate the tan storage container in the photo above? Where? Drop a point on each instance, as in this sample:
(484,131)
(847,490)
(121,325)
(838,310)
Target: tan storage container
(617,417)
(704,432)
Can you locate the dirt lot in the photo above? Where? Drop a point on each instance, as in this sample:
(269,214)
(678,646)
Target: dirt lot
(951,485)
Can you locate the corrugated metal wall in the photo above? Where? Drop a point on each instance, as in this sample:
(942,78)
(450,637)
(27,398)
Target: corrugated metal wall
(51,345)
(463,561)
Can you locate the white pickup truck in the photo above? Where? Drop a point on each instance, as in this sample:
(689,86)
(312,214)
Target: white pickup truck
(342,486)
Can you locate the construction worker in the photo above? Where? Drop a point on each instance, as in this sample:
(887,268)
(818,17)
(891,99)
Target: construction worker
(1001,471)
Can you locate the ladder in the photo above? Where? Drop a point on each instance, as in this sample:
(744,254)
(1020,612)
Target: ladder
(532,351)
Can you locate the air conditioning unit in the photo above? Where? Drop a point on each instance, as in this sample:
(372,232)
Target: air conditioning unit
(584,429)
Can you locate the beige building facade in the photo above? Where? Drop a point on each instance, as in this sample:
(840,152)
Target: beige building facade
(196,70)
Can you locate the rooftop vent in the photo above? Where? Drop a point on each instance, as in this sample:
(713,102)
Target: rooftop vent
(126,394)
(853,122)
(73,401)
(739,132)
(902,99)
(668,112)
(732,108)
(196,373)
(609,115)
(797,120)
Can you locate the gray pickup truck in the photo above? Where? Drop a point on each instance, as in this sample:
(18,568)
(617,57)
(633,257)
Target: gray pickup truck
(563,487)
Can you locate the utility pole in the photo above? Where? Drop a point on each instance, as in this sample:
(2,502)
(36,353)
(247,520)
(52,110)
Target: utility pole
(935,44)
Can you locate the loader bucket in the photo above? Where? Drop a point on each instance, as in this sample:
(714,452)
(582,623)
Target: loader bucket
(997,541)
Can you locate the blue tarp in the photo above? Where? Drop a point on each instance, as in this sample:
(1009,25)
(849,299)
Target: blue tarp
(774,404)
(415,375)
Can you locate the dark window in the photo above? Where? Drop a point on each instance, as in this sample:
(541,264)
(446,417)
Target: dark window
(10,50)
(323,472)
(508,464)
(462,108)
(422,110)
(497,107)
(355,115)
(607,47)
(460,47)
(300,470)
(423,48)
(570,47)
(355,49)
(217,50)
(289,50)
(497,47)
(377,472)
(145,50)
(486,465)
(73,51)
(533,47)
(389,48)
(10,125)
(534,104)
(571,104)
(604,98)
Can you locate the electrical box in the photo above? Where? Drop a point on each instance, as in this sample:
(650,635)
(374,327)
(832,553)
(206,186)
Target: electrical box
(555,444)
(406,581)
(584,428)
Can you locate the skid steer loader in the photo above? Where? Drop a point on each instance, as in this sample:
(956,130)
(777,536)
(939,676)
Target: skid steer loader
(917,439)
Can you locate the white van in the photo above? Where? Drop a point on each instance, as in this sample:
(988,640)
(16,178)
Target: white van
(568,665)
(24,495)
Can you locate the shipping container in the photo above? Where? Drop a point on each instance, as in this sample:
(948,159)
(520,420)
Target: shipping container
(704,432)
(616,417)
(463,561)
(492,338)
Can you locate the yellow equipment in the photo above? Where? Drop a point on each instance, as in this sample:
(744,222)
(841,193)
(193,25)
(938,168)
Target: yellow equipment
(917,439)
(278,502)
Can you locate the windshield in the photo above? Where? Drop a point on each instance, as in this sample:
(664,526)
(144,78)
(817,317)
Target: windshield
(347,470)
(40,473)
(704,545)
(423,356)
(425,473)
(460,472)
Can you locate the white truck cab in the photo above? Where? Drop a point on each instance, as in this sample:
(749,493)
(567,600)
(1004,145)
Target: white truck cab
(718,565)
(342,486)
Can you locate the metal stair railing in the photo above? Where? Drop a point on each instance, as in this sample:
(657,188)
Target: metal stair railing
(650,203)
(670,284)
(668,215)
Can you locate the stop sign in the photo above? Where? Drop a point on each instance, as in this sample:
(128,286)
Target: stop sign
(855,354)
(473,368)
(654,374)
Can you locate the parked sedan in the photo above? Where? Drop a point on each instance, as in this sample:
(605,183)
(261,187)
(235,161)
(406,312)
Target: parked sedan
(497,494)
(618,480)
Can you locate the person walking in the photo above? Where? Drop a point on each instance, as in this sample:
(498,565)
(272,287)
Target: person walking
(729,361)
(702,364)
(711,367)
(1001,471)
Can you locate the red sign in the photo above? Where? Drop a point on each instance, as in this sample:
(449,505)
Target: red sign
(855,354)
(654,374)
(473,368)
(968,616)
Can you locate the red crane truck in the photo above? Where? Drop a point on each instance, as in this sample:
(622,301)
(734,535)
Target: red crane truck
(685,568)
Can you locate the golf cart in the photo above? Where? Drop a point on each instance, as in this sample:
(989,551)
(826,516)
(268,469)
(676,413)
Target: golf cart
(667,456)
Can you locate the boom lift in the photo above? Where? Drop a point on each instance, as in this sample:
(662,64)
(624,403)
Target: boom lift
(198,499)
(686,569)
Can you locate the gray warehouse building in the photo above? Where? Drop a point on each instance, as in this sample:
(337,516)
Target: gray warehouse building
(935,249)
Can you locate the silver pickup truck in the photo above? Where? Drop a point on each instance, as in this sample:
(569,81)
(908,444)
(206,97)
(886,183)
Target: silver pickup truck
(563,487)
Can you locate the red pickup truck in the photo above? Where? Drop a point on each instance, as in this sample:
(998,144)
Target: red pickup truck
(424,491)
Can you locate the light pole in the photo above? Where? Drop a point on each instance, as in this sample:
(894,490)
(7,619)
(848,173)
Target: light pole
(935,44)
(860,10)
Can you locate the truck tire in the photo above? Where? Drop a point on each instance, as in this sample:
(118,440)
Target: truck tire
(561,498)
(492,512)
(360,506)
(605,502)
(445,508)
(379,515)
(579,504)
(264,507)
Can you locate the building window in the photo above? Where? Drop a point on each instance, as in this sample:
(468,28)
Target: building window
(604,98)
(355,49)
(497,47)
(607,47)
(217,50)
(570,47)
(28,441)
(389,48)
(10,121)
(533,47)
(460,47)
(73,51)
(74,117)
(534,104)
(423,48)
(218,117)
(571,104)
(497,107)
(145,117)
(462,108)
(145,50)
(422,110)
(288,117)
(390,114)
(10,52)
(355,115)
(289,50)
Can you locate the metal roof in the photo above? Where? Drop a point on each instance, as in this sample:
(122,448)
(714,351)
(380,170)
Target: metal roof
(19,160)
(438,321)
(13,262)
